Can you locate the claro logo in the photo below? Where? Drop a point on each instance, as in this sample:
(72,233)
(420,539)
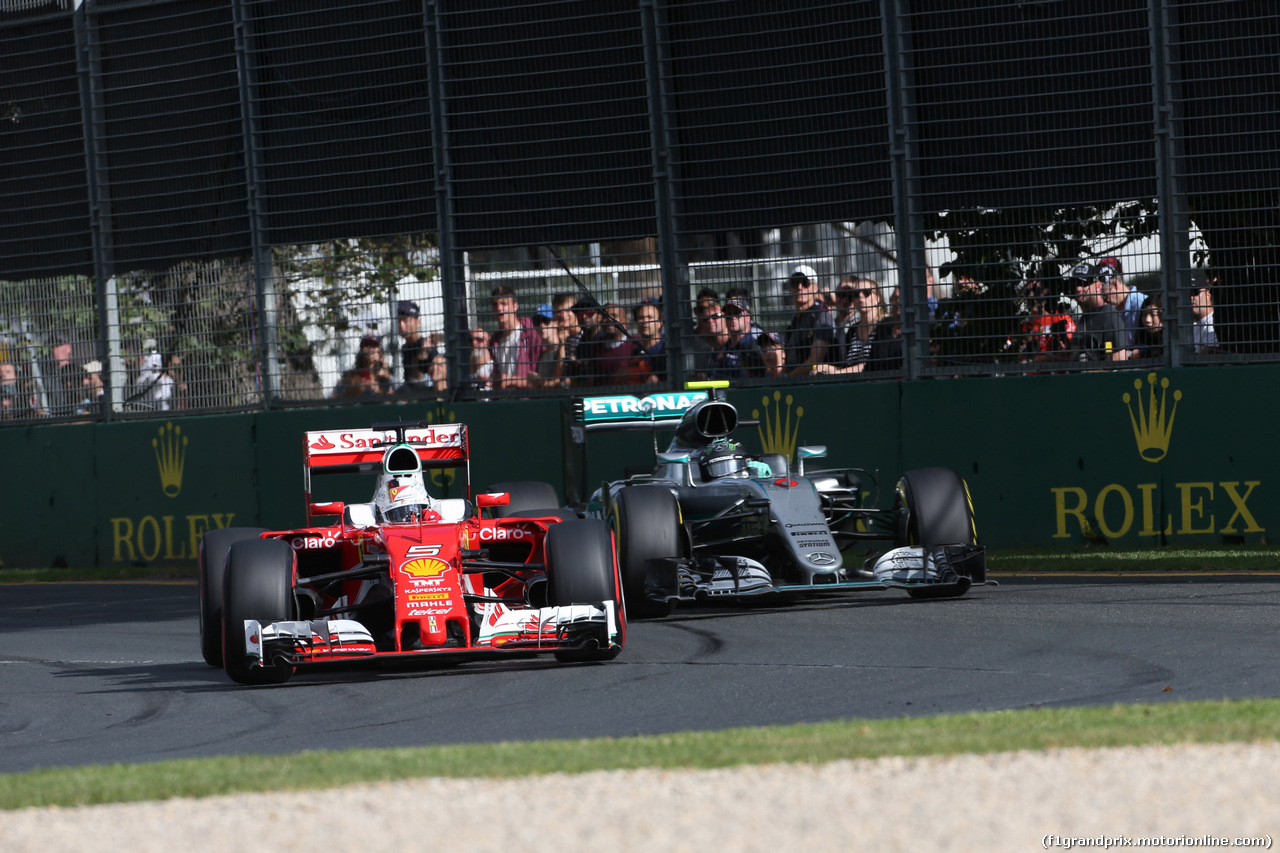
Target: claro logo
(1194,507)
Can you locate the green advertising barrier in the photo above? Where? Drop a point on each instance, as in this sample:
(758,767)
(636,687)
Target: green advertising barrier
(1138,459)
(1135,458)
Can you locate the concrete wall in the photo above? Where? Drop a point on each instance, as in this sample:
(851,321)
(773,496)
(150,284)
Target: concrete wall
(1050,460)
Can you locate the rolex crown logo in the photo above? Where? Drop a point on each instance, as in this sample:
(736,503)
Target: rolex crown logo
(778,431)
(171,455)
(1152,424)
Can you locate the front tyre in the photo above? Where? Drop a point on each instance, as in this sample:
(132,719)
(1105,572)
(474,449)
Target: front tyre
(258,584)
(581,570)
(932,507)
(213,561)
(646,522)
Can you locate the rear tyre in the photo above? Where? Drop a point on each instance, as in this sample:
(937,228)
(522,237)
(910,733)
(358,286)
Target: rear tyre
(213,560)
(646,522)
(525,495)
(932,507)
(580,570)
(258,584)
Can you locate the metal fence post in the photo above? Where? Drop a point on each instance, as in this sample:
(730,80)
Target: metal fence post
(1175,227)
(674,306)
(453,295)
(908,224)
(263,275)
(88,70)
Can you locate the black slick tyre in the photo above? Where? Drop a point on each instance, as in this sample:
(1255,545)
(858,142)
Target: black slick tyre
(581,570)
(212,561)
(258,584)
(646,523)
(932,507)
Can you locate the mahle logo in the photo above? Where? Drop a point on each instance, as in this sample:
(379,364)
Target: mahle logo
(778,431)
(170,447)
(1152,424)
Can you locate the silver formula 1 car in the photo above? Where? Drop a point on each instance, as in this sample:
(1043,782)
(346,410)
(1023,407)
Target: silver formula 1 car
(711,522)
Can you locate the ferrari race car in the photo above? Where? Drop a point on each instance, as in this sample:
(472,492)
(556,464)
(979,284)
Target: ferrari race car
(709,522)
(405,576)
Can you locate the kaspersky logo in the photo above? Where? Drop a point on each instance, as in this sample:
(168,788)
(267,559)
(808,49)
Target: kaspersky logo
(170,447)
(778,431)
(1152,424)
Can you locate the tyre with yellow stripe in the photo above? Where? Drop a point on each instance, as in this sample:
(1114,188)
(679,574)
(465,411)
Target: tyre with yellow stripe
(932,507)
(646,523)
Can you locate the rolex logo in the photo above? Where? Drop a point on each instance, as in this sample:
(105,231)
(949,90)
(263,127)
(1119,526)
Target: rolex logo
(777,430)
(1152,424)
(171,454)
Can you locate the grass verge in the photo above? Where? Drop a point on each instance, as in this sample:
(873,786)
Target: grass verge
(999,731)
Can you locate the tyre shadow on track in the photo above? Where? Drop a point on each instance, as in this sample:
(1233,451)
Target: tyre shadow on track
(197,677)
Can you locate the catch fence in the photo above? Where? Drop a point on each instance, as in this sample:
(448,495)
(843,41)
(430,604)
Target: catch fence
(263,203)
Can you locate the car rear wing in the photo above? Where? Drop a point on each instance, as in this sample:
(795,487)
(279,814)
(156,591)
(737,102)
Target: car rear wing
(626,413)
(361,450)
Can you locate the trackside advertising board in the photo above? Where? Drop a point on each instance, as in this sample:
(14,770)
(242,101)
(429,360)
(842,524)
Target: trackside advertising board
(1136,459)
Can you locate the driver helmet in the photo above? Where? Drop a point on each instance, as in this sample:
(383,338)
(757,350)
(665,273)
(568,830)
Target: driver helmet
(724,458)
(403,495)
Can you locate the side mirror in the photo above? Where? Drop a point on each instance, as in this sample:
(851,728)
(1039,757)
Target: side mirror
(672,458)
(816,451)
(360,515)
(327,508)
(493,499)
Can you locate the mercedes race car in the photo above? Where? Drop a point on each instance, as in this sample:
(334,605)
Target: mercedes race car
(710,522)
(405,576)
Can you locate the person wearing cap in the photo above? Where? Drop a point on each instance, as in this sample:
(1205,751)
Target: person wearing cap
(739,357)
(415,353)
(773,353)
(740,292)
(94,402)
(812,330)
(1203,336)
(1122,297)
(1100,334)
(516,344)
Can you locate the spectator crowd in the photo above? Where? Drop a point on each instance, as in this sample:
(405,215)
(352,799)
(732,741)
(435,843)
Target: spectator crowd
(856,328)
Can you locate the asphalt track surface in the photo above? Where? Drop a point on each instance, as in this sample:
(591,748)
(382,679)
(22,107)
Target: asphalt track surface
(94,673)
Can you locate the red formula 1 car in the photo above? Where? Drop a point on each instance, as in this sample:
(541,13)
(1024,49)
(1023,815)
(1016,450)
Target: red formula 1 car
(405,576)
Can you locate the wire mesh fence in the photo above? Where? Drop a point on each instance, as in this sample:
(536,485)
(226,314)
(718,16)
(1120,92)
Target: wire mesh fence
(255,203)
